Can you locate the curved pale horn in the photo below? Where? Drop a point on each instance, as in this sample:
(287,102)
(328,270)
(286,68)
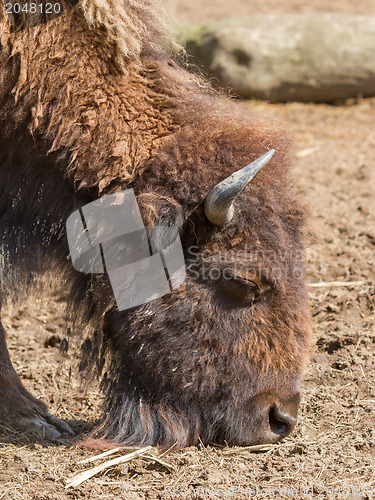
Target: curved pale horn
(218,205)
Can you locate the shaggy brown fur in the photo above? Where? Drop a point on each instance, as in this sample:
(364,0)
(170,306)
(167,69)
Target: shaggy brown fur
(91,103)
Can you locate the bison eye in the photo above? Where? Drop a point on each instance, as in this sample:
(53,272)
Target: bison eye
(242,288)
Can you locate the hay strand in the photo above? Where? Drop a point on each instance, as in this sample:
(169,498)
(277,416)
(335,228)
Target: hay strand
(84,476)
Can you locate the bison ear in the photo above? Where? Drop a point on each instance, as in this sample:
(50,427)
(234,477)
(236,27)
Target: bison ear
(218,205)
(160,210)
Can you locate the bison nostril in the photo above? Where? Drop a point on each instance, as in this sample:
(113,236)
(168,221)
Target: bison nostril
(281,423)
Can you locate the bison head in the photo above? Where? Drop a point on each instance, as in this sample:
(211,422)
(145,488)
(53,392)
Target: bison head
(221,357)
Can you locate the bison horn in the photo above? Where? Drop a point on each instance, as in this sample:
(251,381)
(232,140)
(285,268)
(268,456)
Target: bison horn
(218,205)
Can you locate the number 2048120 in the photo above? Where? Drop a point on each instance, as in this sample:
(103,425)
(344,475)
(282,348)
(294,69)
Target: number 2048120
(33,8)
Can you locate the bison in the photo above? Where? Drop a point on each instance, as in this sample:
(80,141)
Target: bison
(93,101)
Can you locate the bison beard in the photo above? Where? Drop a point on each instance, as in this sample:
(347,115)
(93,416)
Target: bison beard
(92,103)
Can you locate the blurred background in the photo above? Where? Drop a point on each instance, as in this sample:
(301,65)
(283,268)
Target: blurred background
(214,10)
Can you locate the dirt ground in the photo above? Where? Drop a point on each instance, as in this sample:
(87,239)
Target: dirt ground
(332,451)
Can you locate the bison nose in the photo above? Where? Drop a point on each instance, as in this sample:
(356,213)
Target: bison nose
(282,416)
(281,423)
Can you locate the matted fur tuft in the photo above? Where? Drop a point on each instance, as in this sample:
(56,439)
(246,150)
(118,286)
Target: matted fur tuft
(129,26)
(122,28)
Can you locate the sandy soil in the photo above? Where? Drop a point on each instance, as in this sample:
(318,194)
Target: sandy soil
(332,452)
